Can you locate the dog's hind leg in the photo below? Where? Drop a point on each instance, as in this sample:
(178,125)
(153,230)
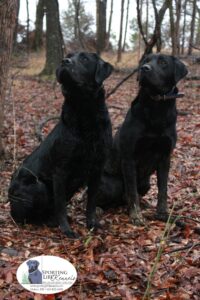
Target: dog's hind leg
(28,202)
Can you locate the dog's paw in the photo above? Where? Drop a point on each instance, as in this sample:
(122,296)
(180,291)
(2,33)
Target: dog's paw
(93,224)
(136,217)
(162,217)
(71,234)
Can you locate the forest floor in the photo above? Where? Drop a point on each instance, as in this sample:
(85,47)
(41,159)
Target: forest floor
(115,263)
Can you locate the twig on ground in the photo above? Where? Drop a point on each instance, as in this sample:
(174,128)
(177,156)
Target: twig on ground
(190,245)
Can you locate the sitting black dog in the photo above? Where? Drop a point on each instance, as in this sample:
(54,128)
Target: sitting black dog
(73,154)
(145,140)
(34,275)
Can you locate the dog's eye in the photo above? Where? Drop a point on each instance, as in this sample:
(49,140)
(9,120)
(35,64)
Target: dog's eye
(162,62)
(83,58)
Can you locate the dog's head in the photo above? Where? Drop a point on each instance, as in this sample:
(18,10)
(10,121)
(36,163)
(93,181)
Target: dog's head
(82,70)
(160,73)
(32,265)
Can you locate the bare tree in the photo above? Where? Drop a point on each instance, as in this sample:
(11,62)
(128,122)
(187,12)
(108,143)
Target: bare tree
(77,30)
(8,13)
(38,39)
(27,26)
(156,36)
(197,41)
(16,26)
(175,26)
(126,26)
(109,24)
(119,52)
(101,25)
(192,27)
(54,40)
(184,26)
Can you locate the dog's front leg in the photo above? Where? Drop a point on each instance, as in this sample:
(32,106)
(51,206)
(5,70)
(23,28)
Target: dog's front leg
(93,190)
(131,195)
(59,183)
(162,179)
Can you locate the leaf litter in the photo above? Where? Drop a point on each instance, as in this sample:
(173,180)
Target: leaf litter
(115,262)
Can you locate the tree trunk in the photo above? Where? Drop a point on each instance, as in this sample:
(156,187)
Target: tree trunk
(126,26)
(119,52)
(192,27)
(184,27)
(38,39)
(147,20)
(197,41)
(172,29)
(16,27)
(77,30)
(54,41)
(156,37)
(8,13)
(177,25)
(27,27)
(109,25)
(101,25)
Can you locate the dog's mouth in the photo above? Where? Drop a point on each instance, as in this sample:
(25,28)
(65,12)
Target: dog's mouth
(151,84)
(31,269)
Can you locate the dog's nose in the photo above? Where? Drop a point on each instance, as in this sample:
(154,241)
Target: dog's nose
(66,61)
(146,68)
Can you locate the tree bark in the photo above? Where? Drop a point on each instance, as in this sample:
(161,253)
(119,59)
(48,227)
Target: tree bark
(54,40)
(77,30)
(126,26)
(192,26)
(38,39)
(101,25)
(110,21)
(16,27)
(177,25)
(197,41)
(27,27)
(172,29)
(184,27)
(119,52)
(8,13)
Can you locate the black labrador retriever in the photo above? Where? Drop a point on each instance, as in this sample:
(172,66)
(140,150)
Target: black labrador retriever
(73,154)
(34,276)
(145,140)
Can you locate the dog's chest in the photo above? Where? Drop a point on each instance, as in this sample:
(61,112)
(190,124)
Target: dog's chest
(152,148)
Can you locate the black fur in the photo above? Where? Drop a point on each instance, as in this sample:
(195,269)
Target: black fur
(73,154)
(145,140)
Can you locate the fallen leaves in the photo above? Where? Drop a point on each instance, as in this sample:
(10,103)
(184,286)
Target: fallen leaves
(114,263)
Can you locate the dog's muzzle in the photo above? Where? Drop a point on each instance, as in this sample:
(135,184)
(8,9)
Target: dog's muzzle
(66,61)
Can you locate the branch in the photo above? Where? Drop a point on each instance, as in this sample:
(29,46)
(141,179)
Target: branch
(121,82)
(140,23)
(195,47)
(190,245)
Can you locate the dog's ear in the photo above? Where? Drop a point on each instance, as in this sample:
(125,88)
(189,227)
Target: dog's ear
(37,263)
(180,69)
(103,71)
